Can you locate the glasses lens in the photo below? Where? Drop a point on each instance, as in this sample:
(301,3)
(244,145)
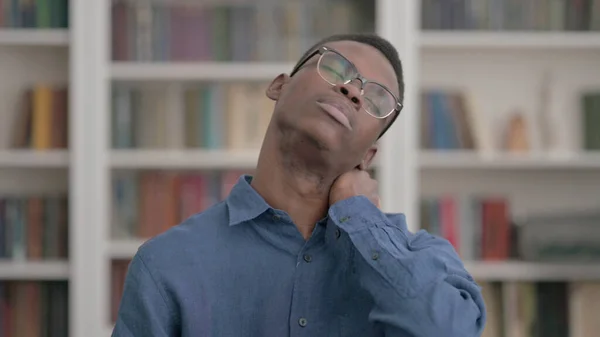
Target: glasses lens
(377,100)
(335,68)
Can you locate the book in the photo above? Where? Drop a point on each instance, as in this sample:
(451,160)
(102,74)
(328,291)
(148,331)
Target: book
(265,31)
(511,15)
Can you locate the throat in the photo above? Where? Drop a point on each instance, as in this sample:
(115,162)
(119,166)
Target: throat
(305,199)
(291,176)
(304,208)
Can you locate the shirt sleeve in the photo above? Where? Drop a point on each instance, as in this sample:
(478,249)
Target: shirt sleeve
(419,285)
(143,311)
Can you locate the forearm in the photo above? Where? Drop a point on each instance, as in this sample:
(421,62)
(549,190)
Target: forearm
(417,282)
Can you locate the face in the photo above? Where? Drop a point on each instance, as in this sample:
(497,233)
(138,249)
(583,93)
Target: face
(334,119)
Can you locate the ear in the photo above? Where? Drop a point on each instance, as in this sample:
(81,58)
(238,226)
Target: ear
(365,164)
(276,86)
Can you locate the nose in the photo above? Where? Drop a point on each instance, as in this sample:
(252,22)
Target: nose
(353,92)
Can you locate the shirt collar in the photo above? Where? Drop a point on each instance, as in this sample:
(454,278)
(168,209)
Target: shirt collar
(244,203)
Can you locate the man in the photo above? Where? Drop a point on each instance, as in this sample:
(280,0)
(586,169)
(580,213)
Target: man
(301,248)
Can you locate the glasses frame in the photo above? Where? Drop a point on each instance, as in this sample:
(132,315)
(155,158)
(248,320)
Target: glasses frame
(321,51)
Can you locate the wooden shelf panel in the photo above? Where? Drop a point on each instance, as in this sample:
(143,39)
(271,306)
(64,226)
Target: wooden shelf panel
(34,37)
(532,271)
(510,40)
(123,248)
(34,159)
(189,159)
(183,159)
(34,270)
(215,71)
(472,160)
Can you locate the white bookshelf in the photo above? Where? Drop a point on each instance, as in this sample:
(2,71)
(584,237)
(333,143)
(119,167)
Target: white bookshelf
(500,69)
(503,71)
(112,160)
(28,57)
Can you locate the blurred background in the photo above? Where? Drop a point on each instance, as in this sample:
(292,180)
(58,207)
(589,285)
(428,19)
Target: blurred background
(120,118)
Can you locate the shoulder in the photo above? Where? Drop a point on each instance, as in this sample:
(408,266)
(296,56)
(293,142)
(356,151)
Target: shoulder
(190,238)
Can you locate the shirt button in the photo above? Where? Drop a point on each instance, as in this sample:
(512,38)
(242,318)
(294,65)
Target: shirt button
(276,217)
(302,322)
(375,256)
(307,258)
(337,233)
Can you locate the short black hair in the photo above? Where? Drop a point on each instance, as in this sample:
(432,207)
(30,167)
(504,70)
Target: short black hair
(377,42)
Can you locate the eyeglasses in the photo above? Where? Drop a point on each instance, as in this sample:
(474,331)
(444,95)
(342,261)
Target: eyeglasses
(335,69)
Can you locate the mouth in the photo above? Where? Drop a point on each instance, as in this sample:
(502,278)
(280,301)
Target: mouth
(336,113)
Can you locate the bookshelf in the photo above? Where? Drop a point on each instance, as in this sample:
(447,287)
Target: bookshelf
(35,167)
(100,163)
(501,71)
(521,207)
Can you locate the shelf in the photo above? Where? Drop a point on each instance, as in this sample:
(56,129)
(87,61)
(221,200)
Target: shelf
(189,159)
(34,159)
(510,40)
(34,37)
(38,270)
(216,71)
(532,271)
(123,248)
(432,160)
(183,159)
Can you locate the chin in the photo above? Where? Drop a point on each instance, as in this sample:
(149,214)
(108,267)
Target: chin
(325,136)
(313,130)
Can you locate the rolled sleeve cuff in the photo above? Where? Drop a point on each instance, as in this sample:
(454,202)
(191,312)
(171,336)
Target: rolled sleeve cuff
(356,208)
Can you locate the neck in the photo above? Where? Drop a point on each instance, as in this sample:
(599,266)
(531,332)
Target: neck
(286,183)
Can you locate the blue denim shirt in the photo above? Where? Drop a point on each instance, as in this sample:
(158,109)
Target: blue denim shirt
(242,269)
